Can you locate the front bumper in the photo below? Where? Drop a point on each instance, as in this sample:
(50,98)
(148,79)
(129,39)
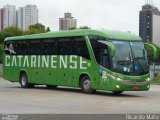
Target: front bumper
(130,86)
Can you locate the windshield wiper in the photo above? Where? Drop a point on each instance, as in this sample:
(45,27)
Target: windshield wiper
(134,58)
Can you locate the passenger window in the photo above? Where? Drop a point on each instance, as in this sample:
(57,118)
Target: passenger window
(65,46)
(80,47)
(50,47)
(35,47)
(22,48)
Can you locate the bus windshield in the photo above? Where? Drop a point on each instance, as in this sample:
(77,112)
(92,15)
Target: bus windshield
(130,58)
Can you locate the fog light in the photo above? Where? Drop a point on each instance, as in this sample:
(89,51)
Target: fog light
(148,86)
(117,86)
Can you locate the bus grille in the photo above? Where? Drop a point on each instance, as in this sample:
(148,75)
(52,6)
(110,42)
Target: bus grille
(135,82)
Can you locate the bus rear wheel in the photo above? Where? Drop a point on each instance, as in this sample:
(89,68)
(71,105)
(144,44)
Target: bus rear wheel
(86,85)
(24,81)
(51,86)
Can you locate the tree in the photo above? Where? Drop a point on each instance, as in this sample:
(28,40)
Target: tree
(37,28)
(72,28)
(48,29)
(10,32)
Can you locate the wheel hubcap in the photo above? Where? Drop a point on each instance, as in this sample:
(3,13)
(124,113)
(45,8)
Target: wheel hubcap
(86,84)
(24,81)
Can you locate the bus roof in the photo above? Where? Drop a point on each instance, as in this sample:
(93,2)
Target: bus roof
(80,32)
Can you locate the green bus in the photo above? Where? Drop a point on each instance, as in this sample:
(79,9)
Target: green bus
(89,59)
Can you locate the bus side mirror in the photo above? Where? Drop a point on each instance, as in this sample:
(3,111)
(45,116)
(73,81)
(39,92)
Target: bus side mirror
(152,49)
(111,47)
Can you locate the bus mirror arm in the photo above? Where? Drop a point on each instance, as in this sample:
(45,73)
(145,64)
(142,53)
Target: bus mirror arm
(111,47)
(154,49)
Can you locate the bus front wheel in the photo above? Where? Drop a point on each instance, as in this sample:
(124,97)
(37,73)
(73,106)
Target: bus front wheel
(86,85)
(24,81)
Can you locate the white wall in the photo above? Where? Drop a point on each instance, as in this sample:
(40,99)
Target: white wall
(9,16)
(156,30)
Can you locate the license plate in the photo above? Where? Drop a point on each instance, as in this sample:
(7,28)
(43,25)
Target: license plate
(135,88)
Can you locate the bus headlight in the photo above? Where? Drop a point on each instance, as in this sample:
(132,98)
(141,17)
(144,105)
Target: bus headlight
(148,79)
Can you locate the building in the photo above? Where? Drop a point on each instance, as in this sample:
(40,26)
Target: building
(149,24)
(1,19)
(31,15)
(21,18)
(67,22)
(27,16)
(9,16)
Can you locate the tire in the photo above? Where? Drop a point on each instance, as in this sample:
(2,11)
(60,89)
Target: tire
(86,86)
(117,92)
(24,81)
(51,86)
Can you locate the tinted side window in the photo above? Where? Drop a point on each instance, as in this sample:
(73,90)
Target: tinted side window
(35,47)
(65,46)
(80,47)
(50,47)
(100,51)
(96,50)
(22,48)
(95,45)
(103,55)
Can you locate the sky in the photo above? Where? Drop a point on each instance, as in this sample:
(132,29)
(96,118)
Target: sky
(120,15)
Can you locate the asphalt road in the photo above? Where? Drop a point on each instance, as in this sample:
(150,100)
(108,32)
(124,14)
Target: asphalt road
(41,100)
